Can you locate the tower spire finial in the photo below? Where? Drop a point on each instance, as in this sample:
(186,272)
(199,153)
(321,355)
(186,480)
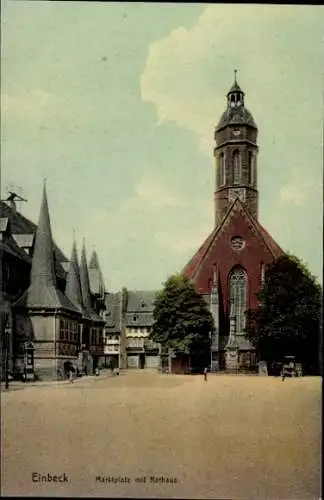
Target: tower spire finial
(235,73)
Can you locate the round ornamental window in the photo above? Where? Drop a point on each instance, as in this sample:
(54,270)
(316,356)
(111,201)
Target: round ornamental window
(237,243)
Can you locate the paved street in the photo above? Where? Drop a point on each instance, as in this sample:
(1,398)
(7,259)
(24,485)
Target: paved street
(232,437)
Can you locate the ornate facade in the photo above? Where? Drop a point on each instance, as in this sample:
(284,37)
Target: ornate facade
(49,302)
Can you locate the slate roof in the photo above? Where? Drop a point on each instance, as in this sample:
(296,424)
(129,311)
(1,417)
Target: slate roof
(85,288)
(141,301)
(113,312)
(73,282)
(238,115)
(140,306)
(235,88)
(20,225)
(43,292)
(9,245)
(139,319)
(139,309)
(46,298)
(97,285)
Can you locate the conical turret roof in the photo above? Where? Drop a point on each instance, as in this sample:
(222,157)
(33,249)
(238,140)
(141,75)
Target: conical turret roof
(42,271)
(85,287)
(73,283)
(43,292)
(97,285)
(236,114)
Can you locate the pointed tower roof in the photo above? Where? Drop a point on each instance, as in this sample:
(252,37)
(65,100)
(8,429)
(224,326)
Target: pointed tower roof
(42,271)
(84,275)
(43,292)
(235,87)
(97,285)
(73,283)
(236,112)
(85,287)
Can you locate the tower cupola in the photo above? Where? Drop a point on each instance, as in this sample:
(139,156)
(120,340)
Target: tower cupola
(235,96)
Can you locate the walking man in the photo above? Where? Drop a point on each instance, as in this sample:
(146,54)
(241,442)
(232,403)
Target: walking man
(205,373)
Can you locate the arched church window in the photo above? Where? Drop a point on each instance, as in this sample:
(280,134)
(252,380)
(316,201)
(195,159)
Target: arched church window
(238,296)
(250,168)
(237,167)
(222,169)
(254,169)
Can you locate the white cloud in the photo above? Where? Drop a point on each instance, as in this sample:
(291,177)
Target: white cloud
(184,242)
(152,212)
(150,193)
(188,73)
(292,194)
(24,106)
(299,189)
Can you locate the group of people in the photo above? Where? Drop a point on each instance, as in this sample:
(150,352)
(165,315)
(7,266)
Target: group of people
(72,373)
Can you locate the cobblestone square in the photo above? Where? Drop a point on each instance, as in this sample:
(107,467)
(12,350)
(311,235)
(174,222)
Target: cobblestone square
(144,434)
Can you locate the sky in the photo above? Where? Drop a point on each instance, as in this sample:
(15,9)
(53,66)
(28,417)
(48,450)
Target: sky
(115,104)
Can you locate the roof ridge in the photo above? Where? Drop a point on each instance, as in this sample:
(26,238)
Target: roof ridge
(212,236)
(258,226)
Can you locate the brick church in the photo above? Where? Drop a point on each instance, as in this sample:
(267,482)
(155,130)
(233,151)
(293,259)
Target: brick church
(229,266)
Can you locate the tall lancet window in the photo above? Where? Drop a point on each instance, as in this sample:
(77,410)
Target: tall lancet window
(222,170)
(250,168)
(237,167)
(254,169)
(238,294)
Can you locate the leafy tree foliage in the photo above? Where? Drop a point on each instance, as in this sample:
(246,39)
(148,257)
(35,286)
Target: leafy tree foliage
(288,320)
(182,320)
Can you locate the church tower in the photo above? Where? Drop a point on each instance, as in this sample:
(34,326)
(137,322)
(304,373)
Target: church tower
(239,247)
(236,156)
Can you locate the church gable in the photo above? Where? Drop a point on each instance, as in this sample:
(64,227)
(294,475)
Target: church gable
(239,241)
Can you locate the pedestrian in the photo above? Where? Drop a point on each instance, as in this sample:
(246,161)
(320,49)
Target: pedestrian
(205,373)
(71,375)
(117,371)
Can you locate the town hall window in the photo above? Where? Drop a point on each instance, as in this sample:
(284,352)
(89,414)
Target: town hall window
(237,167)
(238,295)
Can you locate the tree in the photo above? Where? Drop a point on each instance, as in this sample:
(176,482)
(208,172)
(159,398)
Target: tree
(288,319)
(182,321)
